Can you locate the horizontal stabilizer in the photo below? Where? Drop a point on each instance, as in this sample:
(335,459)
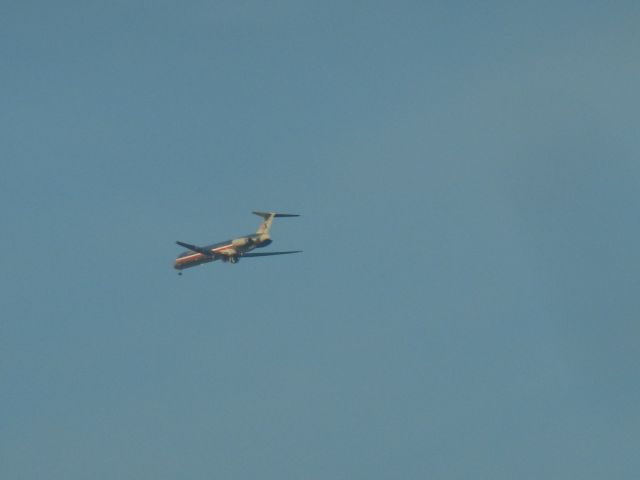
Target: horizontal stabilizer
(267,254)
(195,248)
(276,215)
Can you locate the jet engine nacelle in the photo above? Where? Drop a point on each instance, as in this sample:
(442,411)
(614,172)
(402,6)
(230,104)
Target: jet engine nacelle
(241,242)
(264,240)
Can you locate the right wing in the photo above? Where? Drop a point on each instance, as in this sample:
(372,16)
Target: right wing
(267,254)
(195,248)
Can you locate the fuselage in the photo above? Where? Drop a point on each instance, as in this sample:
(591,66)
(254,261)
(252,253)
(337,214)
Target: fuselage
(229,250)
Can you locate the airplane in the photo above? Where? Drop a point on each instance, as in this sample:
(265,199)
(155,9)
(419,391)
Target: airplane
(232,250)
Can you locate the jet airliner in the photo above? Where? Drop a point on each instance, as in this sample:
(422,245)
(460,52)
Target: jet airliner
(232,250)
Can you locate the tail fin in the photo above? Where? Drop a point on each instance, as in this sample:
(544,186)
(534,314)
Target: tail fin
(268,220)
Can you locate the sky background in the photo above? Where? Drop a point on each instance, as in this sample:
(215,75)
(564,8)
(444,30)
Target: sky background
(467,302)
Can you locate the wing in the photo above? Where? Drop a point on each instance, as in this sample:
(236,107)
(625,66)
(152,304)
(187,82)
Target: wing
(195,248)
(267,254)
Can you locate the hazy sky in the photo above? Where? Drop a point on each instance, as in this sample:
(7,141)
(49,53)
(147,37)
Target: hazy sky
(467,302)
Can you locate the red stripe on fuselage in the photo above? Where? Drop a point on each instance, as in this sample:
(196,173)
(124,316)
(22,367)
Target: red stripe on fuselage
(197,257)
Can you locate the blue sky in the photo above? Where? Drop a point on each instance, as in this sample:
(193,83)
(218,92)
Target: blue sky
(466,305)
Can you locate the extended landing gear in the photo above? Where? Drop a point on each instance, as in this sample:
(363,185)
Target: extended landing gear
(234,259)
(180,273)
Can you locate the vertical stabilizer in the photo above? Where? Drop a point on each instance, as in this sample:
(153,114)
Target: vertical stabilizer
(268,217)
(265,226)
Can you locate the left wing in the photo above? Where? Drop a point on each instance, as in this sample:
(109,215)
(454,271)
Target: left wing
(195,248)
(266,254)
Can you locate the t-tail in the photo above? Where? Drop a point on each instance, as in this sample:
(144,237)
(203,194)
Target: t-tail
(268,217)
